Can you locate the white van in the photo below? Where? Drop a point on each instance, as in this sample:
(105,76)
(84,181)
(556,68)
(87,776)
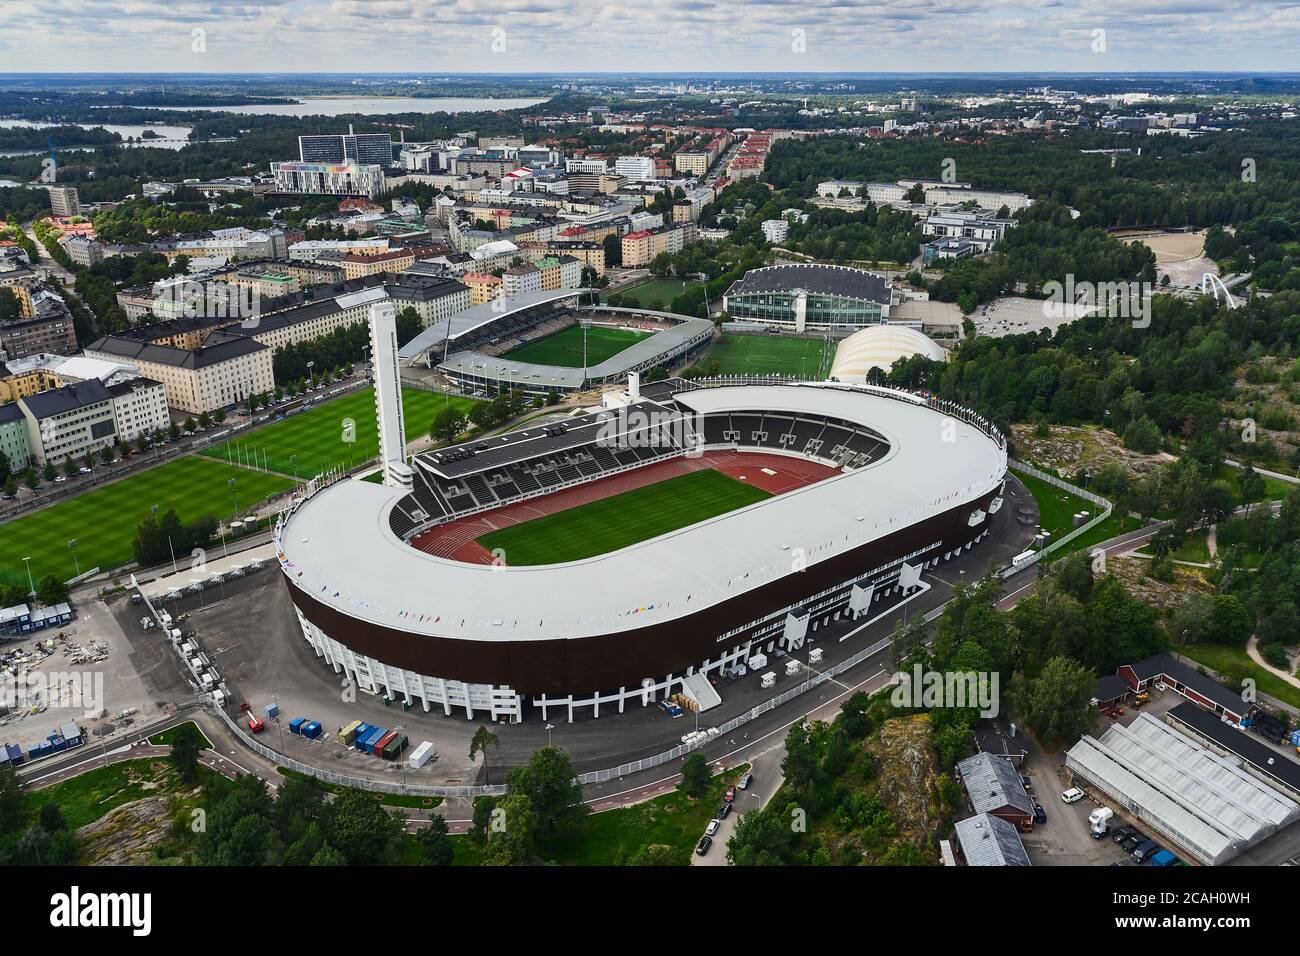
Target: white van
(1073,795)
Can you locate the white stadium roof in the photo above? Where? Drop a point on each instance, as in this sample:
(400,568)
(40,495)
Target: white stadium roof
(880,346)
(339,549)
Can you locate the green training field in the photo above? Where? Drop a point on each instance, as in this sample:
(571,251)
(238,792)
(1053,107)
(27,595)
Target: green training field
(762,354)
(104,521)
(661,290)
(564,348)
(312,441)
(612,523)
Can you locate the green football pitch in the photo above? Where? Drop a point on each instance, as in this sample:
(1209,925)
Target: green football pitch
(104,521)
(652,290)
(778,354)
(313,441)
(612,523)
(564,348)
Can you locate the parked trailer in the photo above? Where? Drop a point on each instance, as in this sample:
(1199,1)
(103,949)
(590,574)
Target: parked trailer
(377,748)
(311,730)
(421,755)
(295,725)
(395,747)
(348,735)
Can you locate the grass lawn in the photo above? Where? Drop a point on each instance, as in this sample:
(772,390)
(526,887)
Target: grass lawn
(164,738)
(1195,547)
(1274,490)
(564,348)
(761,354)
(614,836)
(612,523)
(387,799)
(310,442)
(1235,661)
(662,290)
(104,521)
(1056,507)
(87,797)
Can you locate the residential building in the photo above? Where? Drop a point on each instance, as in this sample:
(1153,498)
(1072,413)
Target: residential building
(139,407)
(13,436)
(641,247)
(64,201)
(637,169)
(775,230)
(75,420)
(519,280)
(226,369)
(48,328)
(483,287)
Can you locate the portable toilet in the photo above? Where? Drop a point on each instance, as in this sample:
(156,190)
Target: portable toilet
(295,725)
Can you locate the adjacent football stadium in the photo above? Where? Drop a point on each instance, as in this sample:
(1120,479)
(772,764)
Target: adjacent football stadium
(627,555)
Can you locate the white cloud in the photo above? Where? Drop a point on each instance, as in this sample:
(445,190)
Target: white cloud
(647,35)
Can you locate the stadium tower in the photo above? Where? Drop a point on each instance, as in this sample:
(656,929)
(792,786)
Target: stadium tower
(388,396)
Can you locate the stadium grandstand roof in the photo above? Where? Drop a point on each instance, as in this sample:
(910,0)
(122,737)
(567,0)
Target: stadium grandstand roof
(815,278)
(1206,803)
(338,545)
(530,375)
(479,316)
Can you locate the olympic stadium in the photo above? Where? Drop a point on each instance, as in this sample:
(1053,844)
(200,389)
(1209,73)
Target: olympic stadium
(618,558)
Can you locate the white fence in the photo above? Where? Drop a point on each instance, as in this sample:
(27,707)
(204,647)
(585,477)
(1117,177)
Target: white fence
(1106,506)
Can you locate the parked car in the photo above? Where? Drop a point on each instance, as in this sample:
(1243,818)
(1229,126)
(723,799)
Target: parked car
(1073,795)
(1129,844)
(745,781)
(83,471)
(712,828)
(723,811)
(702,847)
(731,793)
(1040,815)
(1026,781)
(1124,832)
(1146,850)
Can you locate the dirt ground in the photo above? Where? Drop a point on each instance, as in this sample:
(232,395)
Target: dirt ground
(1179,255)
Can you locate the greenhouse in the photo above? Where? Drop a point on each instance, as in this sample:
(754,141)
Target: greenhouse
(1198,800)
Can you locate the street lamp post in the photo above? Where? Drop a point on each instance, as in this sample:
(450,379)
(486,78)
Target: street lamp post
(549,728)
(72,545)
(31,587)
(233,500)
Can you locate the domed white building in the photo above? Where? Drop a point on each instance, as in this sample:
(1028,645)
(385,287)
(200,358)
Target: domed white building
(880,346)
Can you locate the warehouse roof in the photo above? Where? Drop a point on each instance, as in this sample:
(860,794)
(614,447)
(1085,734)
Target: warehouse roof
(385,581)
(1181,673)
(990,841)
(992,783)
(1254,752)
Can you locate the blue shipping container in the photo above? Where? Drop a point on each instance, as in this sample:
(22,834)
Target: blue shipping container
(373,739)
(311,730)
(273,710)
(295,725)
(359,741)
(15,753)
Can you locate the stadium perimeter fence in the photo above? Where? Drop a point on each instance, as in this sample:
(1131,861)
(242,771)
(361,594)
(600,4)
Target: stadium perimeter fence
(1106,509)
(817,679)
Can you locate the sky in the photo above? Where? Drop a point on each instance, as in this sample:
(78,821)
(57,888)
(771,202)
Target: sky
(519,36)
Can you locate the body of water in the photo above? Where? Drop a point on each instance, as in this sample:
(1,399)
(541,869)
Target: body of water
(173,137)
(372,105)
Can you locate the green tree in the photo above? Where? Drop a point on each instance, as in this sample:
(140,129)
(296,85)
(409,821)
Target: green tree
(362,830)
(51,591)
(447,424)
(13,800)
(695,775)
(657,854)
(549,782)
(434,843)
(187,743)
(1057,703)
(513,843)
(479,744)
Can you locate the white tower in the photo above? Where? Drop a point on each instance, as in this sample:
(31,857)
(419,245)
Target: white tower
(388,396)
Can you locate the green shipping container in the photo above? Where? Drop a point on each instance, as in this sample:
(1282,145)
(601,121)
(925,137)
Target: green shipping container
(395,747)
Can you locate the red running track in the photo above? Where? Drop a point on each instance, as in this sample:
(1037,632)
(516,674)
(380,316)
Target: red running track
(458,539)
